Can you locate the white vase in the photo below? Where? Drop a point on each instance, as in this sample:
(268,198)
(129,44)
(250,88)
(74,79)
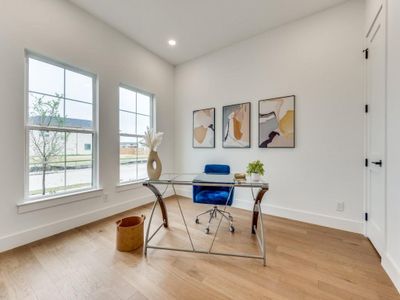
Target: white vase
(255,177)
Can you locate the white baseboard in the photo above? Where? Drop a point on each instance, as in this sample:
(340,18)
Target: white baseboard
(185,192)
(33,234)
(392,269)
(294,214)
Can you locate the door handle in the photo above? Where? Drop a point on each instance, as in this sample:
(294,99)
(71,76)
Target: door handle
(378,163)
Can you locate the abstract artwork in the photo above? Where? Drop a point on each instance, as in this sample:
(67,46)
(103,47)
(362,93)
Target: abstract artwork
(204,128)
(236,126)
(276,128)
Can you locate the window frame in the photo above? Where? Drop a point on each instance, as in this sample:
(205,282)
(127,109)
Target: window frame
(28,127)
(138,136)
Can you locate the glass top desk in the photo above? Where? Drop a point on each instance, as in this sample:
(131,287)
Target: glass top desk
(206,180)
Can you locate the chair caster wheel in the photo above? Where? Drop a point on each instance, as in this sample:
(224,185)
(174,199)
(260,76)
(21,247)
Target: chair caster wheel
(207,230)
(197,221)
(231,229)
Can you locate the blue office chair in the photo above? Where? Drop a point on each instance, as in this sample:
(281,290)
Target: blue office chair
(214,195)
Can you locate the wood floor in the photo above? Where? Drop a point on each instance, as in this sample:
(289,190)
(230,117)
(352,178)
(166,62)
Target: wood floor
(303,262)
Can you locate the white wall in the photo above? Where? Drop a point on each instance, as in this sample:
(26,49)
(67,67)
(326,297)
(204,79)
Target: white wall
(61,31)
(318,59)
(392,260)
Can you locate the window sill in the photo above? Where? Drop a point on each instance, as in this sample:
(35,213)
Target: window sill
(122,187)
(32,205)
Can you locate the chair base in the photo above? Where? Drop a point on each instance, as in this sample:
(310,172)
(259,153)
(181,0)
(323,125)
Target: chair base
(213,212)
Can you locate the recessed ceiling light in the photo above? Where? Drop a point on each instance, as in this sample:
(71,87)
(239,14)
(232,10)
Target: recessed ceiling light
(172,42)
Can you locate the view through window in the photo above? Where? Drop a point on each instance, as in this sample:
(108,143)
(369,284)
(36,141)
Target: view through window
(135,115)
(60,128)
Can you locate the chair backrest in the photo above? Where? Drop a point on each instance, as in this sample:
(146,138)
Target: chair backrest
(217,169)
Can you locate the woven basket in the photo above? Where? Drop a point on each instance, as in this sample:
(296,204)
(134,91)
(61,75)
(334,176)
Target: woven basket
(130,233)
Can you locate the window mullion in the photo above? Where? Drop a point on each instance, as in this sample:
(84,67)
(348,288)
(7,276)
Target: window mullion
(94,171)
(59,129)
(94,153)
(128,111)
(65,134)
(137,145)
(54,96)
(65,160)
(131,135)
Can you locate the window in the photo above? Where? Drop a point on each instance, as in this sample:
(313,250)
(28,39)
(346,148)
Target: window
(60,128)
(135,115)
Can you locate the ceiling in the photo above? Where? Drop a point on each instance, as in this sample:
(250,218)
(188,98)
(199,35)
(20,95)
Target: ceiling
(198,26)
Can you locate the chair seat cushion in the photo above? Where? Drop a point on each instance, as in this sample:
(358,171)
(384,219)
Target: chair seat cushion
(215,197)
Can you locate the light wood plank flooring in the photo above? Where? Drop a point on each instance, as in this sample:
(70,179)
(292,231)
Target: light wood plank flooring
(303,262)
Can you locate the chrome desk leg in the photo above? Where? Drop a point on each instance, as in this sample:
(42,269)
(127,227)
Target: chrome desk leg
(160,201)
(146,241)
(183,218)
(263,250)
(220,221)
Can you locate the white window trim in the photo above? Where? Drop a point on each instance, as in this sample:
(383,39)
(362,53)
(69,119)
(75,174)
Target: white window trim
(59,199)
(130,185)
(94,131)
(127,185)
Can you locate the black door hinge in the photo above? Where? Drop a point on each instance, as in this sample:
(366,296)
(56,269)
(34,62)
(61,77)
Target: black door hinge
(366,53)
(366,108)
(366,162)
(366,216)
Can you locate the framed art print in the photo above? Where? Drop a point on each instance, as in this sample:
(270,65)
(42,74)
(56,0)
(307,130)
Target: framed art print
(204,128)
(236,126)
(276,122)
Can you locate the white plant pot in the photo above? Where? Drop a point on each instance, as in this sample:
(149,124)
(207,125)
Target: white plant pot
(255,177)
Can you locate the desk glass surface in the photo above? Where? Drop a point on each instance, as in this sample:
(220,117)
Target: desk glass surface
(207,179)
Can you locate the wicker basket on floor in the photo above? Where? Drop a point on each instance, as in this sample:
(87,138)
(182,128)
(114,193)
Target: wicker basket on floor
(130,233)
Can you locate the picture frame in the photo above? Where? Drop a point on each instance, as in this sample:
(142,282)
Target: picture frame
(203,128)
(236,125)
(276,122)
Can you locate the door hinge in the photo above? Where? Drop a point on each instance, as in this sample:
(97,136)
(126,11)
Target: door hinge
(366,53)
(366,216)
(366,162)
(366,108)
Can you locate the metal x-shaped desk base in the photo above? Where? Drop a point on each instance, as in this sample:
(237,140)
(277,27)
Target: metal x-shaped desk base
(257,215)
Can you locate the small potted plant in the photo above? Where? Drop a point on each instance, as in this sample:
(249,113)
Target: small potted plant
(255,169)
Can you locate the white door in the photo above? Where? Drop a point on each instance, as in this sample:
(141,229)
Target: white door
(376,133)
